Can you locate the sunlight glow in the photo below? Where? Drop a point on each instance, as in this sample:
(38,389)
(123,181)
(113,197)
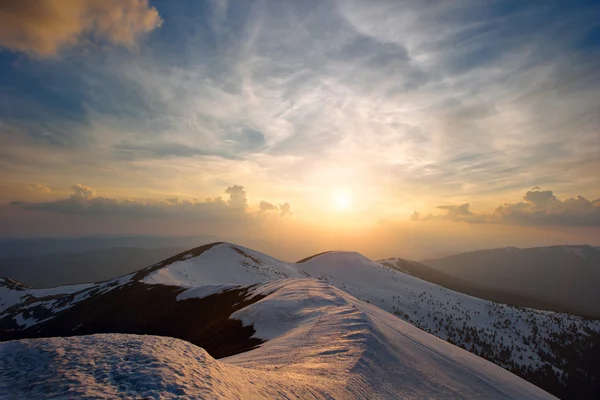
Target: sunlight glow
(342,200)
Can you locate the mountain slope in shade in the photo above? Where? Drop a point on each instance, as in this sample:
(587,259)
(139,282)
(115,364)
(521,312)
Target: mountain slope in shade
(557,352)
(504,295)
(565,275)
(319,342)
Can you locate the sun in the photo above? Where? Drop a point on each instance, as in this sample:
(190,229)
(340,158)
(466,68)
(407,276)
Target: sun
(342,200)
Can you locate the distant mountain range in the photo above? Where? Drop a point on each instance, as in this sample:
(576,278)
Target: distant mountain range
(229,299)
(73,267)
(31,247)
(566,278)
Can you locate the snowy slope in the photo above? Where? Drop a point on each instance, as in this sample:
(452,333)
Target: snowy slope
(550,349)
(449,314)
(322,343)
(12,292)
(224,263)
(27,307)
(528,342)
(443,312)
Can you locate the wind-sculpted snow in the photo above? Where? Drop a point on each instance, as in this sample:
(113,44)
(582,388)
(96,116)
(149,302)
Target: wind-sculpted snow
(110,366)
(553,350)
(204,291)
(546,347)
(322,343)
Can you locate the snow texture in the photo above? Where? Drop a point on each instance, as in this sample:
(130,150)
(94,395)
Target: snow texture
(9,296)
(311,326)
(323,343)
(433,308)
(222,264)
(204,291)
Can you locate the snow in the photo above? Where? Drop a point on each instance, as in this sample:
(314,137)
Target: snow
(304,315)
(316,329)
(52,300)
(9,297)
(578,251)
(61,290)
(323,343)
(430,307)
(221,264)
(204,291)
(24,322)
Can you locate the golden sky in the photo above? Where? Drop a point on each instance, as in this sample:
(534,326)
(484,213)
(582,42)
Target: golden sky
(393,128)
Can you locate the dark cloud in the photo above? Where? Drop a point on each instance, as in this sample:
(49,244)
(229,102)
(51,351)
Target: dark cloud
(540,207)
(84,201)
(540,198)
(456,212)
(451,212)
(43,27)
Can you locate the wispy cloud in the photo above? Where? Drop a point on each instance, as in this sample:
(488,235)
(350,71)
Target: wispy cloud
(403,102)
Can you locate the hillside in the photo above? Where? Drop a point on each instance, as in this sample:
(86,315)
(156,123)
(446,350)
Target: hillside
(503,295)
(317,342)
(564,275)
(558,352)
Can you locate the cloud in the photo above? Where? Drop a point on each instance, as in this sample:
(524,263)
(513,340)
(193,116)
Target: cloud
(44,27)
(237,197)
(84,201)
(451,212)
(285,209)
(40,188)
(455,212)
(266,206)
(415,216)
(250,92)
(158,150)
(540,207)
(82,192)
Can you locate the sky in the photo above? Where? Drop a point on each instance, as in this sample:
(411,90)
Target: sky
(394,128)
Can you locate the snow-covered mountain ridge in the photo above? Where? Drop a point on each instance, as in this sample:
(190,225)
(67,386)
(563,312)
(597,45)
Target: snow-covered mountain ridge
(552,350)
(321,343)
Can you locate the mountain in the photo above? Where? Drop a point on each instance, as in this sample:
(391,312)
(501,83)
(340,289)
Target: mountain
(564,275)
(29,247)
(319,342)
(203,296)
(68,268)
(503,295)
